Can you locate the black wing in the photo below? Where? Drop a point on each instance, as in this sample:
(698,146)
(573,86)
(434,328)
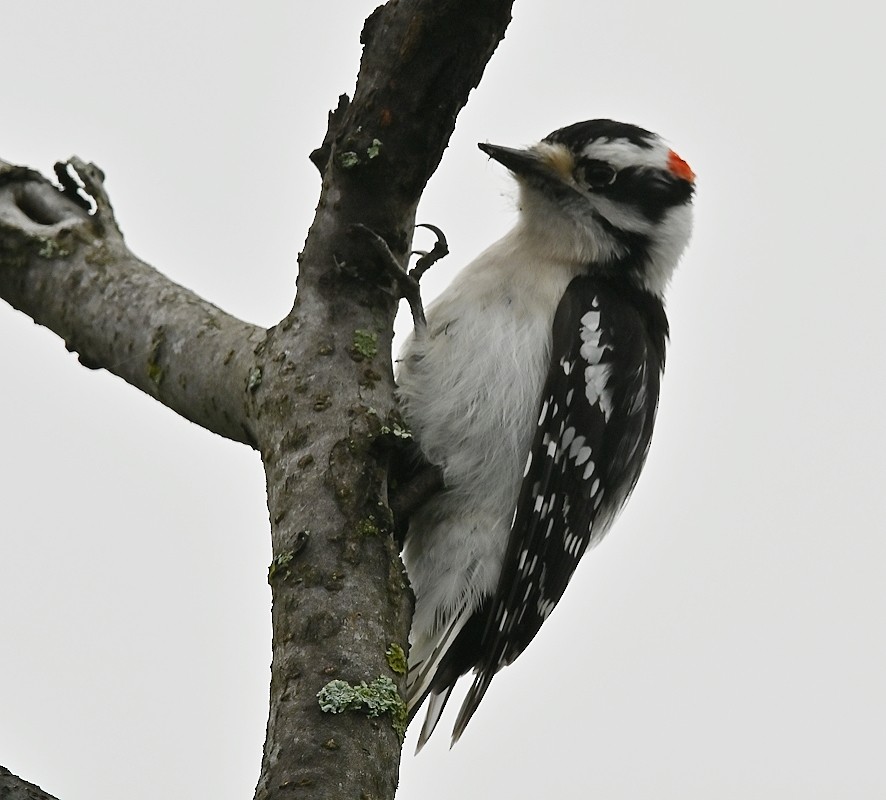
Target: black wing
(594,426)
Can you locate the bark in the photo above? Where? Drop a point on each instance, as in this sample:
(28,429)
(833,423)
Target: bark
(72,272)
(14,788)
(314,394)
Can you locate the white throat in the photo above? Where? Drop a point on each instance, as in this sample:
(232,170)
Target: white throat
(578,238)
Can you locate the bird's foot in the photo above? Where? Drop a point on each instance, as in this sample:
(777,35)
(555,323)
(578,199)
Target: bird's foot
(427,258)
(407,283)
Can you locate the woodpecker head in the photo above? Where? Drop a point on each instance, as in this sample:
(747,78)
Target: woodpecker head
(605,194)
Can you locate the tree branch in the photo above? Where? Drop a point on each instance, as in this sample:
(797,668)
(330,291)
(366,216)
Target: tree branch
(340,603)
(14,788)
(71,271)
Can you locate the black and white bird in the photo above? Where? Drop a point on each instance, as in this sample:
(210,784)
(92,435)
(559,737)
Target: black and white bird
(534,387)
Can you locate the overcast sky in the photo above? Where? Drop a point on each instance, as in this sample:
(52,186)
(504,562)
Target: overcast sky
(725,641)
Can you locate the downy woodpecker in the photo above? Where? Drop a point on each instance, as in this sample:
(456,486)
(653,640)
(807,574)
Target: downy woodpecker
(534,387)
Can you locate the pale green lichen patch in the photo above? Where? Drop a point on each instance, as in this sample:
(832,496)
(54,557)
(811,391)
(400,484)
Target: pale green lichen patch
(254,379)
(348,159)
(365,345)
(373,700)
(396,430)
(396,658)
(51,249)
(368,526)
(155,373)
(280,566)
(392,426)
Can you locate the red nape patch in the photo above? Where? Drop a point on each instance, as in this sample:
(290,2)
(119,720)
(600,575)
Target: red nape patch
(680,168)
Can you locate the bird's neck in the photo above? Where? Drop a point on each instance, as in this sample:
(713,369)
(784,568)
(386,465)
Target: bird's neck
(645,258)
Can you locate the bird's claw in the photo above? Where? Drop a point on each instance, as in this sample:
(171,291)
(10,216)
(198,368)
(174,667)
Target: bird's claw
(407,283)
(429,257)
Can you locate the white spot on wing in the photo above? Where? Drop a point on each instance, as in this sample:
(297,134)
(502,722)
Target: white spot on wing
(572,543)
(544,412)
(596,374)
(577,445)
(583,455)
(545,607)
(568,436)
(591,320)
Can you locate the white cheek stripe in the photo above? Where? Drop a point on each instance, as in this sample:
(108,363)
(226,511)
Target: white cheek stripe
(622,153)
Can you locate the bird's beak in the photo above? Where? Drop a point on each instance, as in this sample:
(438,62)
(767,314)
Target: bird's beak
(520,162)
(543,165)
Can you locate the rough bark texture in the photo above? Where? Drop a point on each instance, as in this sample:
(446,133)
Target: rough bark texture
(14,788)
(72,272)
(314,394)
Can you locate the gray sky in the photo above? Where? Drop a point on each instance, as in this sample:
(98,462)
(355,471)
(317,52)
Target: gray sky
(726,640)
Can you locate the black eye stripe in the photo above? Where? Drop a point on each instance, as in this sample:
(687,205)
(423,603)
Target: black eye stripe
(651,191)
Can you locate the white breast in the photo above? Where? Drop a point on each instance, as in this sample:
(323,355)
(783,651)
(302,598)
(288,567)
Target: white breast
(469,387)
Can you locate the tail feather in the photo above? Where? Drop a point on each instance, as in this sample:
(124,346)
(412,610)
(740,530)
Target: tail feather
(436,704)
(481,683)
(423,665)
(437,660)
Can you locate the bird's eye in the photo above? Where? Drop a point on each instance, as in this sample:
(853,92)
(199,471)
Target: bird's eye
(597,174)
